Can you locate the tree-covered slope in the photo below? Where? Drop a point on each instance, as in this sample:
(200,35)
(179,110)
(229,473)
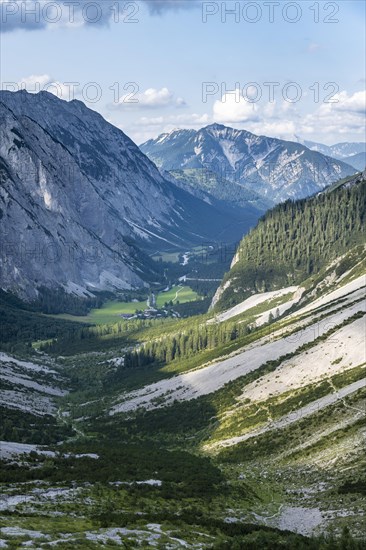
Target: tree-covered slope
(295,240)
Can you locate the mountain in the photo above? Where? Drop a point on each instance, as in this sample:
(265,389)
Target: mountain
(339,150)
(79,201)
(358,161)
(272,168)
(242,428)
(351,153)
(209,186)
(295,240)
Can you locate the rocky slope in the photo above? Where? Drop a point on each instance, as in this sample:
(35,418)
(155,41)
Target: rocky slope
(351,153)
(254,431)
(273,168)
(79,200)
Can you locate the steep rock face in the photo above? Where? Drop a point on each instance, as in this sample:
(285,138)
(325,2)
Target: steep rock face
(55,227)
(111,165)
(273,168)
(79,201)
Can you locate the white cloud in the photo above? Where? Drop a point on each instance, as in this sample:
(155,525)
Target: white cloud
(282,129)
(329,122)
(343,117)
(233,107)
(355,103)
(45,82)
(35,82)
(149,127)
(149,99)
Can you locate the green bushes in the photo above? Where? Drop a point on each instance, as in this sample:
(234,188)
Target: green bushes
(20,326)
(24,427)
(353,486)
(273,539)
(187,475)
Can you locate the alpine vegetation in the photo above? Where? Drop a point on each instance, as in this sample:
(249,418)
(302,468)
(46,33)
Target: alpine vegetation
(182,323)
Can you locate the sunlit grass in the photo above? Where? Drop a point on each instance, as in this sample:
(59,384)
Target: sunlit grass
(111,311)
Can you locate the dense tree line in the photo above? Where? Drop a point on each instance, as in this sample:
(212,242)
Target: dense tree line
(295,240)
(189,309)
(87,338)
(186,343)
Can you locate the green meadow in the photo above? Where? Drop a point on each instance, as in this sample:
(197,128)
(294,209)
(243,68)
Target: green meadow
(110,311)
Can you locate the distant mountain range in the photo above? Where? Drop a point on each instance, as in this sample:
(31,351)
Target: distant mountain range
(79,201)
(351,153)
(272,169)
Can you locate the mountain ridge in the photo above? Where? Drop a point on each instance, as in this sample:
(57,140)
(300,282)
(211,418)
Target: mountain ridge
(353,153)
(86,203)
(275,169)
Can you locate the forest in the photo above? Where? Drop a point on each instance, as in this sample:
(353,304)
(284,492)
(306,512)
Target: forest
(295,240)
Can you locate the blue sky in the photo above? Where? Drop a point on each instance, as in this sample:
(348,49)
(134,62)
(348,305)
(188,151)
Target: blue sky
(174,64)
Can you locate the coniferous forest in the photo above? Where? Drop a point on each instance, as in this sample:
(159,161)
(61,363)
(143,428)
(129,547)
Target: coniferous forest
(295,240)
(182,275)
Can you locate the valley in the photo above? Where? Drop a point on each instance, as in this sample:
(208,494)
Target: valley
(306,428)
(182,275)
(202,385)
(112,311)
(256,439)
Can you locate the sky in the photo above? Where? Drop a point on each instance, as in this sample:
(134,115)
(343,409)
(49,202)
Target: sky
(293,70)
